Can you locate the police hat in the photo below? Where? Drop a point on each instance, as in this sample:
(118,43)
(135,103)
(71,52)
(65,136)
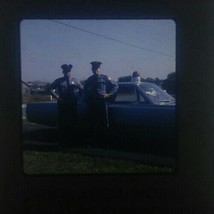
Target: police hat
(95,64)
(66,67)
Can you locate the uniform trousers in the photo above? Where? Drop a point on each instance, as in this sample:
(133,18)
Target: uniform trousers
(98,119)
(67,118)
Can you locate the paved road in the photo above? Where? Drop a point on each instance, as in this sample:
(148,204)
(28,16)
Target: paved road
(44,138)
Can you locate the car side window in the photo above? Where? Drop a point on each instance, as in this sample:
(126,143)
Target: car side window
(126,94)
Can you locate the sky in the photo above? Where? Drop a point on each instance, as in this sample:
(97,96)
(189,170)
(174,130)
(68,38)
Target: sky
(123,46)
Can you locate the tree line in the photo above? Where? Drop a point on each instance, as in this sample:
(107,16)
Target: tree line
(168,84)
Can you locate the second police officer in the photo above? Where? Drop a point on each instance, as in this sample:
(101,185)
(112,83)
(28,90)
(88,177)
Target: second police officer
(136,77)
(98,90)
(68,91)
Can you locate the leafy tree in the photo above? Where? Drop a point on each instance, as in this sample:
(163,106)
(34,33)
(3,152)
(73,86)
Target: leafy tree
(127,79)
(169,84)
(124,79)
(149,79)
(158,81)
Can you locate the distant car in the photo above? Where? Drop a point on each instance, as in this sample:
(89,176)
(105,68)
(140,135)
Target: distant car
(144,109)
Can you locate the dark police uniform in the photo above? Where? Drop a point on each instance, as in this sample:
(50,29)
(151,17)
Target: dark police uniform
(95,87)
(69,90)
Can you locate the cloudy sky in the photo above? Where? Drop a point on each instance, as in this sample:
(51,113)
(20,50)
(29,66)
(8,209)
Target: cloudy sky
(123,46)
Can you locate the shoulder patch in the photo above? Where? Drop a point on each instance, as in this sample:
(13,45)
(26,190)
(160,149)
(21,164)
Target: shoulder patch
(109,78)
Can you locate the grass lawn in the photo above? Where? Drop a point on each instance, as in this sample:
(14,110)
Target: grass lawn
(58,163)
(26,98)
(44,163)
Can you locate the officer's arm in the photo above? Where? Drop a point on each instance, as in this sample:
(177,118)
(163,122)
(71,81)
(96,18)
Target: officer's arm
(114,87)
(51,90)
(80,87)
(85,90)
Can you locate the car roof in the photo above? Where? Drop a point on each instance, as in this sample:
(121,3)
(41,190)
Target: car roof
(132,83)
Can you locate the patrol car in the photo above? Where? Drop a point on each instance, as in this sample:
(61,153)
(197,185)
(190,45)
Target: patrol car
(139,108)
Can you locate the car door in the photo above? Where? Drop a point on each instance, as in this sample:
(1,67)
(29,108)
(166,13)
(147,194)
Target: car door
(132,109)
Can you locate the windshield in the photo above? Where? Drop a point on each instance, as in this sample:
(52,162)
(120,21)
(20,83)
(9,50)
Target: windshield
(156,94)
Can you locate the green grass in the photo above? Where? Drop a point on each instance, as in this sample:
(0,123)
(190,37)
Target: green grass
(70,163)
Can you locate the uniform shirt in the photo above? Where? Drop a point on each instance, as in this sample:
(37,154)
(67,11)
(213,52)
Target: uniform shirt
(68,89)
(136,80)
(97,85)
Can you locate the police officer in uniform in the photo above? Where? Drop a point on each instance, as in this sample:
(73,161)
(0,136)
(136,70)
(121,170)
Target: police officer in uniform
(136,77)
(99,89)
(68,91)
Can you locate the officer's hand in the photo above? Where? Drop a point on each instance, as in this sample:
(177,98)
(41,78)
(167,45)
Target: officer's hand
(106,96)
